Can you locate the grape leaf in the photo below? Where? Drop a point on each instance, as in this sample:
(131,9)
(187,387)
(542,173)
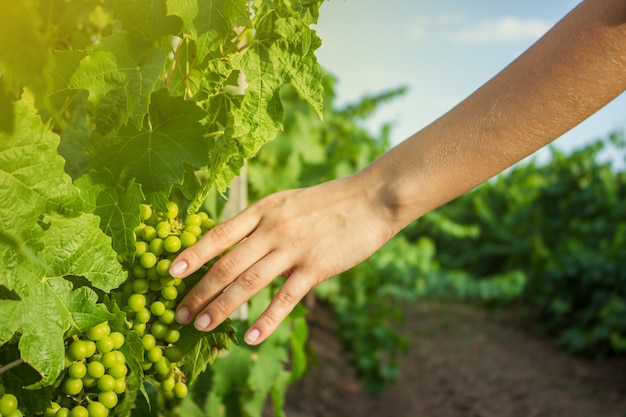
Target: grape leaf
(116,205)
(201,348)
(147,18)
(120,74)
(44,315)
(155,155)
(210,23)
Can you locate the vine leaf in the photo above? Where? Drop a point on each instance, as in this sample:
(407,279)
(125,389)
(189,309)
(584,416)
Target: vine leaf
(154,155)
(120,74)
(116,205)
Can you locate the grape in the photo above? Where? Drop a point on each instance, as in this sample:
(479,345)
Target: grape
(173,353)
(72,386)
(148,259)
(187,239)
(163,267)
(155,354)
(79,411)
(172,209)
(108,399)
(106,383)
(99,331)
(158,308)
(149,342)
(145,211)
(105,344)
(120,386)
(193,220)
(141,286)
(169,293)
(97,409)
(136,302)
(156,247)
(77,370)
(118,339)
(79,350)
(180,390)
(63,412)
(8,404)
(52,410)
(172,244)
(95,369)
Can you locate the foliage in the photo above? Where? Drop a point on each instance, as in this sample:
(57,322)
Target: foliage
(559,227)
(108,104)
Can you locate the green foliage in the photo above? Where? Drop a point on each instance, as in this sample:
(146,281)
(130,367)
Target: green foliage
(107,104)
(557,228)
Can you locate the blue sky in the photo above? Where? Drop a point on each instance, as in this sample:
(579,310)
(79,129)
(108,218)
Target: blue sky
(442,51)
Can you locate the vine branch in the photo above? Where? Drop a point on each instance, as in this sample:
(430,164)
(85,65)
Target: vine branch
(11,365)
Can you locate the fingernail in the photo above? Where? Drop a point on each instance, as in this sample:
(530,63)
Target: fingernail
(182,315)
(202,322)
(252,336)
(178,268)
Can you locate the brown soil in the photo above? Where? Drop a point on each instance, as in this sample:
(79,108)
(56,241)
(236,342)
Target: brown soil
(462,363)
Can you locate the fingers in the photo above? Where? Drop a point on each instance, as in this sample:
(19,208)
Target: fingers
(232,266)
(213,243)
(292,291)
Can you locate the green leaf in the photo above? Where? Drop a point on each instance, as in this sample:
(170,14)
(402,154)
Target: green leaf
(155,155)
(120,74)
(210,23)
(147,18)
(201,348)
(46,314)
(116,205)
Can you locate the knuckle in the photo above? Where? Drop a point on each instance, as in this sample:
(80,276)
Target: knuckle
(285,300)
(224,267)
(220,307)
(250,280)
(267,320)
(221,233)
(195,300)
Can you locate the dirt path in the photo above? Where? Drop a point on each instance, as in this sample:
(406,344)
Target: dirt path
(462,363)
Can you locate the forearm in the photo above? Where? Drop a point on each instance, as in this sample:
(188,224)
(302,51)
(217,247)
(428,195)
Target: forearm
(574,70)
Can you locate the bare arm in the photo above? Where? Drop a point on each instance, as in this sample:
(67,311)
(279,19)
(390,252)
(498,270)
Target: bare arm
(311,234)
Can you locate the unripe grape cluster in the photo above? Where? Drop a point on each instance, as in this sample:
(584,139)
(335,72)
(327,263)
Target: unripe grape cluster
(152,293)
(8,404)
(95,375)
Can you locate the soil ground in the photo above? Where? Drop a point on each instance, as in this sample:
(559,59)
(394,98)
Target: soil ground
(462,363)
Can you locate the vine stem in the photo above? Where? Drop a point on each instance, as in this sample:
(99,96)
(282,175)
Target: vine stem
(11,365)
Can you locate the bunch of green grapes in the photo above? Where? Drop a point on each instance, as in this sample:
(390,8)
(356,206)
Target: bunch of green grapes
(152,293)
(95,375)
(8,404)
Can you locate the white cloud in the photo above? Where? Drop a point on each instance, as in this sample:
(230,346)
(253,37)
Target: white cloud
(504,29)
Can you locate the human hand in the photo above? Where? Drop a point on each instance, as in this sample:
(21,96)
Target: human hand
(306,235)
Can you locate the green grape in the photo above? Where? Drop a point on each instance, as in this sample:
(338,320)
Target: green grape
(141,286)
(110,359)
(77,370)
(169,293)
(79,411)
(168,316)
(193,219)
(95,369)
(187,239)
(52,410)
(79,350)
(148,341)
(159,330)
(172,336)
(154,354)
(106,383)
(157,247)
(143,315)
(98,331)
(145,211)
(180,390)
(167,281)
(152,274)
(163,267)
(172,244)
(105,344)
(63,412)
(155,286)
(72,386)
(89,381)
(148,259)
(149,233)
(140,248)
(139,271)
(168,384)
(139,328)
(173,353)
(8,404)
(120,386)
(16,413)
(162,366)
(97,409)
(163,229)
(136,302)
(207,222)
(108,398)
(118,371)
(194,230)
(157,308)
(118,339)
(172,210)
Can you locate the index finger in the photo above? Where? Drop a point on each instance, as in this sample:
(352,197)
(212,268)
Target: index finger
(214,242)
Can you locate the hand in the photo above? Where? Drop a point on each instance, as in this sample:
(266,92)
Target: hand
(306,235)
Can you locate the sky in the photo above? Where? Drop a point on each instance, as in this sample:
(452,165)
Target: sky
(442,51)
